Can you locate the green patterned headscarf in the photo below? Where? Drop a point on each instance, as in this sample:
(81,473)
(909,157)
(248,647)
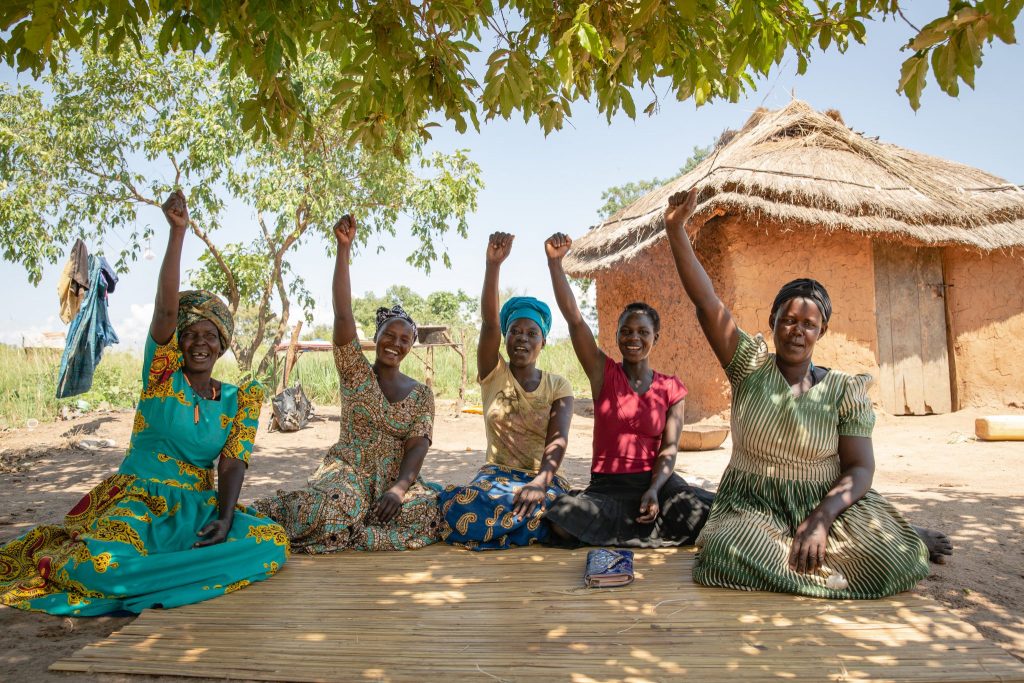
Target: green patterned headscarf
(199,304)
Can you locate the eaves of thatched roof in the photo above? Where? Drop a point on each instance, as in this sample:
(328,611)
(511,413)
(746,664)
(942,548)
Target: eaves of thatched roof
(799,168)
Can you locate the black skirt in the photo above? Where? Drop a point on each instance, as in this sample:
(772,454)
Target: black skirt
(604,514)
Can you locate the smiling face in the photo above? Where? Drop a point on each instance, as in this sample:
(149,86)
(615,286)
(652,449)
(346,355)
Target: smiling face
(394,341)
(796,329)
(523,342)
(635,336)
(200,345)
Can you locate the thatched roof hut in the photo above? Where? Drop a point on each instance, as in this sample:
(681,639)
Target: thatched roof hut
(797,177)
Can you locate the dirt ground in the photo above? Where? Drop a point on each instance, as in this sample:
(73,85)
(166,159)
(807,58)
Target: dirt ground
(931,468)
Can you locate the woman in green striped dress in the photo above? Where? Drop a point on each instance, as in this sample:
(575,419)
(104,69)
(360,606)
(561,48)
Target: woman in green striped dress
(795,511)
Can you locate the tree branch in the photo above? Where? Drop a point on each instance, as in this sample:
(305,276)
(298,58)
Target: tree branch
(233,296)
(177,170)
(899,11)
(282,326)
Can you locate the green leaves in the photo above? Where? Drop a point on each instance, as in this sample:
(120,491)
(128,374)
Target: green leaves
(952,45)
(913,78)
(403,62)
(72,164)
(455,309)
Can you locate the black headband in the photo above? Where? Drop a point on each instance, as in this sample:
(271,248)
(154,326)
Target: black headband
(803,288)
(386,315)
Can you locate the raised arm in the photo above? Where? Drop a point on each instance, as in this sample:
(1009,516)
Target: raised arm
(664,464)
(583,343)
(165,309)
(527,498)
(344,320)
(856,471)
(499,246)
(715,319)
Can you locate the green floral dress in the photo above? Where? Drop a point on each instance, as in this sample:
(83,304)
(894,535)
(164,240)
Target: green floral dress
(127,545)
(785,459)
(335,509)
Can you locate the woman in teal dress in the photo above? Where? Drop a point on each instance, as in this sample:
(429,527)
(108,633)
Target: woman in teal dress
(795,512)
(157,533)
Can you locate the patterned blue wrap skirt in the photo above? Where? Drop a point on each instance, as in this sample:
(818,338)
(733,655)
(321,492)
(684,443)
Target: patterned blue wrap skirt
(479,515)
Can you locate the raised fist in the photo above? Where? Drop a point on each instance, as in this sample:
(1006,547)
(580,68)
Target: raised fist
(680,208)
(345,231)
(499,246)
(176,210)
(557,245)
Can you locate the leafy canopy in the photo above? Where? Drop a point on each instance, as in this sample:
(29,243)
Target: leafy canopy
(403,61)
(111,137)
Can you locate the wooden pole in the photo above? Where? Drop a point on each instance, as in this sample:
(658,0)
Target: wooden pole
(462,380)
(428,369)
(292,354)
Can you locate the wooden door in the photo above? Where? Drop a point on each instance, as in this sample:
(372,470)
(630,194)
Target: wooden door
(913,356)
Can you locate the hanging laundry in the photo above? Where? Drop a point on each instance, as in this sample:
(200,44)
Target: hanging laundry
(73,282)
(89,334)
(109,275)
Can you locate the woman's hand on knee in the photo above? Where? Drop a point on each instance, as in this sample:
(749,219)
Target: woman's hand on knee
(649,507)
(808,551)
(527,499)
(213,533)
(388,505)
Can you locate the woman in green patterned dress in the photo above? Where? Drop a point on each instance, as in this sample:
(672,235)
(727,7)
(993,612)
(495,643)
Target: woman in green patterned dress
(157,533)
(364,496)
(795,511)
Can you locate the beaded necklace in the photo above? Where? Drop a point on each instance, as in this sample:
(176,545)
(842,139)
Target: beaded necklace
(197,397)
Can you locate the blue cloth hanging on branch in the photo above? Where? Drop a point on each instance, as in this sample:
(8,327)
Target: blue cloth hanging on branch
(89,334)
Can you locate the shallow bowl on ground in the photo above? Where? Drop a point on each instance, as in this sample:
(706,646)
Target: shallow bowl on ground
(702,437)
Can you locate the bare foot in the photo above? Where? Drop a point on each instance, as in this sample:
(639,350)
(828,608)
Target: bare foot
(938,544)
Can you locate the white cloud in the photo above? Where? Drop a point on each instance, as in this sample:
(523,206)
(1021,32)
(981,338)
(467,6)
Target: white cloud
(132,330)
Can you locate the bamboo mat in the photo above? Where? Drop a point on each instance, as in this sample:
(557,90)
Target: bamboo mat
(442,614)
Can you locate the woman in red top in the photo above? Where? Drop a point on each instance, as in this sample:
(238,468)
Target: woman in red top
(634,497)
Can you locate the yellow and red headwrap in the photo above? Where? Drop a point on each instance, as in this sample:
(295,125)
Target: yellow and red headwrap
(198,304)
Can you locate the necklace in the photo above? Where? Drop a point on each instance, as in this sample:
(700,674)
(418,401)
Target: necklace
(639,381)
(197,397)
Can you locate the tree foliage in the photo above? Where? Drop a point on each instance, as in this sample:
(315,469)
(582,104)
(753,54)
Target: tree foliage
(455,309)
(113,136)
(401,62)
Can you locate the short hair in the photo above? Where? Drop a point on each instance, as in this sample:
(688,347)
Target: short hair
(646,309)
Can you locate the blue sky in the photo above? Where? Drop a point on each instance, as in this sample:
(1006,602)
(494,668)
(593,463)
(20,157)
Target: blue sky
(536,185)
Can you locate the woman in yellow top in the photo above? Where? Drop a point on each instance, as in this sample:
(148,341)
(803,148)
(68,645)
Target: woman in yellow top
(526,417)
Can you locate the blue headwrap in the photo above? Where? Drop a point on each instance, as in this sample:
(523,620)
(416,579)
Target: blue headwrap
(525,307)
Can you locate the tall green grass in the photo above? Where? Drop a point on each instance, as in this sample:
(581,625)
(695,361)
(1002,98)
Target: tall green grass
(28,385)
(28,381)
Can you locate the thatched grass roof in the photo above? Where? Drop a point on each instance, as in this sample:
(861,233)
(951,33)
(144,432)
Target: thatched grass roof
(800,168)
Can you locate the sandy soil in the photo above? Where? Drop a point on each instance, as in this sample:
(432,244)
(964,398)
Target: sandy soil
(931,468)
